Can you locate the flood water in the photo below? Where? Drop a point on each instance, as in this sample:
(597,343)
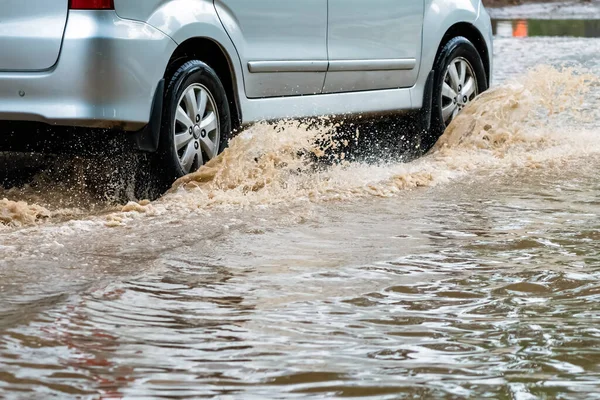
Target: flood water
(472,272)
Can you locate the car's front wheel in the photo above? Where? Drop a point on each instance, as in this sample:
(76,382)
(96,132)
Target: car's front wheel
(459,76)
(196,122)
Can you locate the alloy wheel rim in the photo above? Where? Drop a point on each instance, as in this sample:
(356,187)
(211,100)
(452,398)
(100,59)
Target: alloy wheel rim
(196,128)
(459,88)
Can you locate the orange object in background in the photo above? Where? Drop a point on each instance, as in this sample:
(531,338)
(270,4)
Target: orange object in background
(520,28)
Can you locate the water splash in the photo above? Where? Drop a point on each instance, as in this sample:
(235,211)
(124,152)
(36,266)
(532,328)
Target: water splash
(529,111)
(19,213)
(541,119)
(531,120)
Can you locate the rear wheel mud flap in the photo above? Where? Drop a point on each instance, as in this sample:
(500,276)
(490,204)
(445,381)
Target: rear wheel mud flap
(424,117)
(427,102)
(146,140)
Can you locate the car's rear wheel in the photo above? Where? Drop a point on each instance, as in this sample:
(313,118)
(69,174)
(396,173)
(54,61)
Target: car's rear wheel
(196,122)
(459,76)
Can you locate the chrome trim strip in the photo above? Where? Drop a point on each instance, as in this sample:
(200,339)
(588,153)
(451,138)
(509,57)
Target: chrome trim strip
(334,66)
(288,66)
(373,65)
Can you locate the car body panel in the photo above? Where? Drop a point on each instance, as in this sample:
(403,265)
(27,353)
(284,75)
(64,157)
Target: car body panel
(137,10)
(373,44)
(483,23)
(31,33)
(440,16)
(333,104)
(289,39)
(106,76)
(183,20)
(111,63)
(172,18)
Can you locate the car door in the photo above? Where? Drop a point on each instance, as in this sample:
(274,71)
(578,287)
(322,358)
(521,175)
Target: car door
(282,44)
(373,44)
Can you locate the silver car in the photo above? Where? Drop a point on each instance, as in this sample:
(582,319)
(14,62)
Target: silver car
(176,77)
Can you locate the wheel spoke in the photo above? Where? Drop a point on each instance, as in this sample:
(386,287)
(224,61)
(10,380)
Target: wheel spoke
(448,111)
(187,160)
(209,123)
(454,79)
(462,72)
(202,101)
(448,92)
(199,154)
(182,139)
(469,88)
(191,103)
(209,147)
(183,118)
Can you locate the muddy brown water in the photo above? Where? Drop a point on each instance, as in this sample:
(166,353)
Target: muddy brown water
(472,272)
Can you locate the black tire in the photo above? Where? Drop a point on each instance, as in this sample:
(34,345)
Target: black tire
(167,167)
(455,48)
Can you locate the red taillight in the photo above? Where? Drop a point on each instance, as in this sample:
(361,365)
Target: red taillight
(92,5)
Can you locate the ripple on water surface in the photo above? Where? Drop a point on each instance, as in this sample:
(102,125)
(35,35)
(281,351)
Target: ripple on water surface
(496,306)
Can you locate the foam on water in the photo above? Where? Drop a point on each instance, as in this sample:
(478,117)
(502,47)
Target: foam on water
(19,213)
(542,119)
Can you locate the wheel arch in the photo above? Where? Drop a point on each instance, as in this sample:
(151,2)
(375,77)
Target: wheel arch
(442,21)
(212,53)
(471,33)
(199,34)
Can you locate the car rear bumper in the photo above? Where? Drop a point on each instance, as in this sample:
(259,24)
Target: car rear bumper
(106,76)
